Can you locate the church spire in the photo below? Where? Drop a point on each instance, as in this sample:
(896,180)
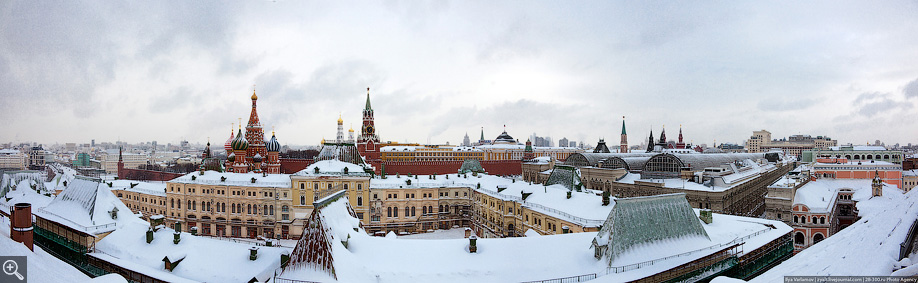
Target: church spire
(368,100)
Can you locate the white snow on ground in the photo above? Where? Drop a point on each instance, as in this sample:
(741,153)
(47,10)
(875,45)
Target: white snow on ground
(42,267)
(391,259)
(868,247)
(455,233)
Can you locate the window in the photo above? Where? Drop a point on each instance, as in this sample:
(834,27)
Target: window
(388,212)
(265,210)
(359,201)
(822,220)
(285,217)
(189,205)
(302,200)
(345,186)
(423,210)
(359,186)
(795,219)
(172,202)
(329,186)
(315,186)
(395,212)
(271,210)
(457,194)
(302,186)
(224,207)
(248,209)
(412,211)
(234,208)
(285,209)
(407,212)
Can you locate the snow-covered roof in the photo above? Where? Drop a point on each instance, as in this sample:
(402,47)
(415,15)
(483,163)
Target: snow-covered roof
(85,205)
(332,167)
(869,247)
(857,162)
(541,160)
(858,148)
(150,188)
(584,208)
(819,195)
(738,176)
(235,179)
(913,172)
(43,267)
(206,259)
(8,151)
(384,259)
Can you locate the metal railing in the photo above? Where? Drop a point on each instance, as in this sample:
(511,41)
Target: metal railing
(285,280)
(578,278)
(77,226)
(576,219)
(905,248)
(236,183)
(620,269)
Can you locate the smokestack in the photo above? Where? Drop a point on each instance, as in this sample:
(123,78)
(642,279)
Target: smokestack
(21,225)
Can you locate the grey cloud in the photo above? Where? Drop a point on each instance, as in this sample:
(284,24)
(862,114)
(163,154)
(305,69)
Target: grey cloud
(911,89)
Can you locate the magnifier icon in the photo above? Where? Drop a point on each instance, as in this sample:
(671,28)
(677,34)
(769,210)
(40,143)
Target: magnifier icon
(11,268)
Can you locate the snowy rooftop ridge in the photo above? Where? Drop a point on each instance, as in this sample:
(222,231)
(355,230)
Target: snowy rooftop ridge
(85,205)
(641,220)
(235,179)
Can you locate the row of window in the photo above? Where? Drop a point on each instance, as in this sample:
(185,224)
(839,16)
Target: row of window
(315,186)
(813,220)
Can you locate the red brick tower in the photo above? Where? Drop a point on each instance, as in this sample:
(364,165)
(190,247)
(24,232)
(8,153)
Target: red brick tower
(273,160)
(368,142)
(255,135)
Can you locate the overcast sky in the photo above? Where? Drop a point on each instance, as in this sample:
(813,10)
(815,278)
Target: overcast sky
(72,71)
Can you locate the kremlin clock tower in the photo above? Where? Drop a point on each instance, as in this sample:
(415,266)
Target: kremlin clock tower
(368,142)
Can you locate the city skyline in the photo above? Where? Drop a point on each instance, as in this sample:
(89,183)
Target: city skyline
(73,72)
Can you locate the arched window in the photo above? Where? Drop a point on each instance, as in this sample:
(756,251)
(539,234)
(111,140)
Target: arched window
(799,239)
(248,208)
(189,204)
(345,186)
(285,208)
(271,209)
(302,200)
(822,220)
(302,186)
(265,210)
(818,238)
(886,156)
(172,202)
(359,186)
(869,156)
(796,220)
(224,207)
(423,210)
(412,211)
(315,186)
(388,211)
(359,201)
(233,208)
(407,212)
(395,212)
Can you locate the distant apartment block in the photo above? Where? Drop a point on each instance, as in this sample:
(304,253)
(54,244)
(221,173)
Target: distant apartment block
(761,141)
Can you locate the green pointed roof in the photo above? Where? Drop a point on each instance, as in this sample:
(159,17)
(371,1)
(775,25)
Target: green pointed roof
(482,133)
(623,126)
(368,100)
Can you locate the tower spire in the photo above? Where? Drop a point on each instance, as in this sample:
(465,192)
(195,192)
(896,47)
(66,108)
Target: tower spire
(368,100)
(623,147)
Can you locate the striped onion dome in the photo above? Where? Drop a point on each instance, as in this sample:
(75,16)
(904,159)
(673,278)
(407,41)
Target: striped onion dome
(272,145)
(240,143)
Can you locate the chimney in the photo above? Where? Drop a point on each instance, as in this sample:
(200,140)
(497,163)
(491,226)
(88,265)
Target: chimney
(472,244)
(149,235)
(253,253)
(706,216)
(21,224)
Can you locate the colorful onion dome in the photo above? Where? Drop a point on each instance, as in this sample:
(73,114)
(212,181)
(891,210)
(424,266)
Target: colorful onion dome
(240,143)
(272,145)
(228,146)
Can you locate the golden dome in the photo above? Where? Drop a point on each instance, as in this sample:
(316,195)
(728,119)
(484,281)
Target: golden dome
(254,97)
(340,121)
